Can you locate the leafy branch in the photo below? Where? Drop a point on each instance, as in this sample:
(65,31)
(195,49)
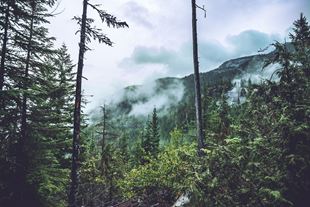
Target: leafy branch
(109,19)
(92,32)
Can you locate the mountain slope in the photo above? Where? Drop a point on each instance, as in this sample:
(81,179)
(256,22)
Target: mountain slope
(174,97)
(171,89)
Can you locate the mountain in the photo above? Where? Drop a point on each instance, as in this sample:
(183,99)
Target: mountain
(249,67)
(174,97)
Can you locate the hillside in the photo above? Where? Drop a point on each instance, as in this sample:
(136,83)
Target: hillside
(75,133)
(249,67)
(174,97)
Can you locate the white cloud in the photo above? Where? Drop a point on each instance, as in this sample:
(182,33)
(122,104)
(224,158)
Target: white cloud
(161,98)
(138,14)
(167,24)
(212,53)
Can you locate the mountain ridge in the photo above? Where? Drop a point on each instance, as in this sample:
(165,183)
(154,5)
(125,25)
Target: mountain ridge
(172,91)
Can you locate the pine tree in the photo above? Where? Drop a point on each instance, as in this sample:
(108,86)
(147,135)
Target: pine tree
(51,127)
(301,40)
(301,33)
(10,73)
(151,139)
(87,33)
(290,101)
(37,109)
(155,132)
(31,39)
(295,135)
(224,121)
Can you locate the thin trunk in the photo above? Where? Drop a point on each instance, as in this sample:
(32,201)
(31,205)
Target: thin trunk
(20,156)
(103,160)
(77,114)
(103,130)
(200,133)
(4,46)
(104,157)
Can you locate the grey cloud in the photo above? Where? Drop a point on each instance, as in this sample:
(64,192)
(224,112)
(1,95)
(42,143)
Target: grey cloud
(137,13)
(177,62)
(147,55)
(211,53)
(250,41)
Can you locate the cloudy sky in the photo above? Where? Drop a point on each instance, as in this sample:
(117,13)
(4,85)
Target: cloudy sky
(158,41)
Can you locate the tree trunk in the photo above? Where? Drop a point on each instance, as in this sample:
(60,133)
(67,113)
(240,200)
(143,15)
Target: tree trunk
(4,46)
(77,113)
(200,134)
(21,158)
(103,158)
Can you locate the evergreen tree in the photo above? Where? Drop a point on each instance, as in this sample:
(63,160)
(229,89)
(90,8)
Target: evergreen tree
(151,138)
(12,12)
(37,116)
(32,39)
(288,101)
(49,124)
(224,121)
(87,32)
(301,33)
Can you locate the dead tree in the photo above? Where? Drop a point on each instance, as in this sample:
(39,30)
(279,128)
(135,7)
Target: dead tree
(199,124)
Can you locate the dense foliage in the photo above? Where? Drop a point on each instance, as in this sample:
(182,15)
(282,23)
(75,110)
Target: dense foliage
(257,151)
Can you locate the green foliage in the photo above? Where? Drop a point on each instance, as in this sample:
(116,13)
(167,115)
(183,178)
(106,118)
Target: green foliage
(150,142)
(228,175)
(162,179)
(257,152)
(44,152)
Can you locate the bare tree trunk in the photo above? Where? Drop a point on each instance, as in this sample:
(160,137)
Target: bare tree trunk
(4,46)
(77,113)
(200,134)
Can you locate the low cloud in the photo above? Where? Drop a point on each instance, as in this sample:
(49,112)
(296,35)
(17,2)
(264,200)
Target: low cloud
(250,41)
(211,53)
(176,62)
(162,100)
(161,94)
(257,76)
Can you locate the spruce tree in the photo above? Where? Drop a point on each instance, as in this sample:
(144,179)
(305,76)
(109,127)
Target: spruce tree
(291,101)
(51,118)
(37,110)
(31,40)
(151,138)
(301,33)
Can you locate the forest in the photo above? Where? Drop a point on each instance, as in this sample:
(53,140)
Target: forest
(252,151)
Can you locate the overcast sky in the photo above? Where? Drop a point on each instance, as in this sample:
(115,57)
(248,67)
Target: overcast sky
(158,40)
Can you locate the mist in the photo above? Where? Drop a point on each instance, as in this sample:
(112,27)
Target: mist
(162,99)
(257,75)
